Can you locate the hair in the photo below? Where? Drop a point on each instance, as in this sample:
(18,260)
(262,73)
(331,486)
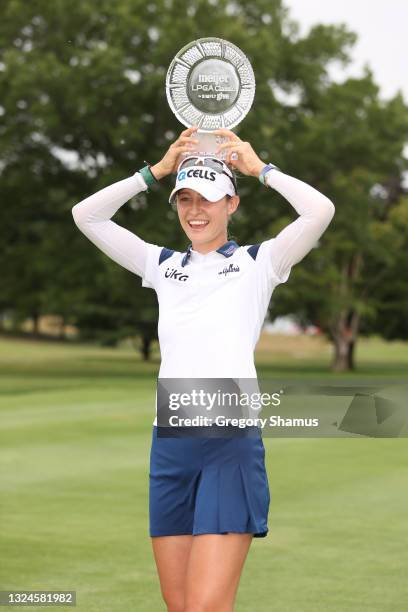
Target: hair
(229,216)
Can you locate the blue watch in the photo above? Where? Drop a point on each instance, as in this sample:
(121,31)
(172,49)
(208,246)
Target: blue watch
(265,170)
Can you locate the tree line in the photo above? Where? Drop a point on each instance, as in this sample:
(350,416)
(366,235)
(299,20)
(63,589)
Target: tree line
(83,104)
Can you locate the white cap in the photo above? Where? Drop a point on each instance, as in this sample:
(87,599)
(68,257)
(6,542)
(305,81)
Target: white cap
(211,184)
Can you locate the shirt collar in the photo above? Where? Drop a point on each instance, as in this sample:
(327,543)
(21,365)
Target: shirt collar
(226,249)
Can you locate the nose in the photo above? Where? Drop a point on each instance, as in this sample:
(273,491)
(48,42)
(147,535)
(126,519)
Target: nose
(196,204)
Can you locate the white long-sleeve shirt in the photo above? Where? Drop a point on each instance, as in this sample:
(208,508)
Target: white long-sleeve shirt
(211,306)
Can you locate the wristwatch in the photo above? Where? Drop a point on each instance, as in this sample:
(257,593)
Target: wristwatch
(265,170)
(149,178)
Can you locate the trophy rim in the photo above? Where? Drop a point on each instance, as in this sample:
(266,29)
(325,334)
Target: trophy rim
(245,59)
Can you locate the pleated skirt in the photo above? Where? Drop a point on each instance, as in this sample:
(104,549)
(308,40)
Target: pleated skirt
(208,485)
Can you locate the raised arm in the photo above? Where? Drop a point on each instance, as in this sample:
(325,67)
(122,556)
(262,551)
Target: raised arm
(299,237)
(93,215)
(315,210)
(93,218)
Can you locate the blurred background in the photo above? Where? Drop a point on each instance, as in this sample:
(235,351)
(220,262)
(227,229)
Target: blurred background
(82,105)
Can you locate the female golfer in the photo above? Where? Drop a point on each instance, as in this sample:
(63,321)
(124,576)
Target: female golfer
(207,497)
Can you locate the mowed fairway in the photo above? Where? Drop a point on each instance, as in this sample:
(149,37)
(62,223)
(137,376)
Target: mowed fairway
(76,424)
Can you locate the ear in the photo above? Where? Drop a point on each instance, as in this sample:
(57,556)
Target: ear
(233,204)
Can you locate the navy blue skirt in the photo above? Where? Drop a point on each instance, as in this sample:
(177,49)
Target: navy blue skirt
(208,485)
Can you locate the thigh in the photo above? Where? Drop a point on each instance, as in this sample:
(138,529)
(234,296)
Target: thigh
(214,570)
(173,479)
(172,554)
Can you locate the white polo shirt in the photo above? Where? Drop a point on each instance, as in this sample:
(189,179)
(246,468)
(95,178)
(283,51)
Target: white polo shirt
(212,306)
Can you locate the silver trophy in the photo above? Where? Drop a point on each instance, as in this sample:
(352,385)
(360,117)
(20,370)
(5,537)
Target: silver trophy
(210,83)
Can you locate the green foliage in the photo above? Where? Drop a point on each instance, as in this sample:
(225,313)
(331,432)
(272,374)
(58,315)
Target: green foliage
(87,79)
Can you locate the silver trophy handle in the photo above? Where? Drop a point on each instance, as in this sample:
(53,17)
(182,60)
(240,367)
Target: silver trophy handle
(208,143)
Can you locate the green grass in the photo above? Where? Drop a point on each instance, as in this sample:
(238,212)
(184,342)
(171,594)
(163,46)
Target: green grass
(75,437)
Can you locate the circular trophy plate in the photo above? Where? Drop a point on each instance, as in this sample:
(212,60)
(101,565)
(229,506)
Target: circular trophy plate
(210,83)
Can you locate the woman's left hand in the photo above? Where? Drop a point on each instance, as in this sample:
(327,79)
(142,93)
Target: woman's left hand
(240,154)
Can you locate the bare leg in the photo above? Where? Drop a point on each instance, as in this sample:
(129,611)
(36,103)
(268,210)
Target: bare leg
(214,570)
(171,554)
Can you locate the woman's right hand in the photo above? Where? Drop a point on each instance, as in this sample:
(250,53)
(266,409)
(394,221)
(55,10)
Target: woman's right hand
(184,143)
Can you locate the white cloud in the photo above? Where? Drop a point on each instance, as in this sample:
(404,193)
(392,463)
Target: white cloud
(382,40)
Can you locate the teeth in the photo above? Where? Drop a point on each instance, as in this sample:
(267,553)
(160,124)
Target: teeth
(198,222)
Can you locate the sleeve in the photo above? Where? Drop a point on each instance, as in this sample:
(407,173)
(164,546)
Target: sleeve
(93,217)
(291,245)
(149,278)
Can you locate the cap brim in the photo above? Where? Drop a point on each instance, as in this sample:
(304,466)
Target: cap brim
(210,192)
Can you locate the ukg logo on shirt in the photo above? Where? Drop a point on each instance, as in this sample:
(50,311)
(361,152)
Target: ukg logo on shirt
(176,274)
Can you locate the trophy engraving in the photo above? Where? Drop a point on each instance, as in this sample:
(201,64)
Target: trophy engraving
(210,83)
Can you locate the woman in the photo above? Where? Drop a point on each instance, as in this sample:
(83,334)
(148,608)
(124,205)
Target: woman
(207,498)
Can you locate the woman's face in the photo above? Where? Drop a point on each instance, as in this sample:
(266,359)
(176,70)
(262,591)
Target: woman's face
(203,221)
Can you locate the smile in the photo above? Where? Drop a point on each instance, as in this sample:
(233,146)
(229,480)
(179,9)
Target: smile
(198,223)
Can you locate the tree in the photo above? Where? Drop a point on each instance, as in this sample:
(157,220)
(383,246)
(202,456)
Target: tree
(85,82)
(387,270)
(359,139)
